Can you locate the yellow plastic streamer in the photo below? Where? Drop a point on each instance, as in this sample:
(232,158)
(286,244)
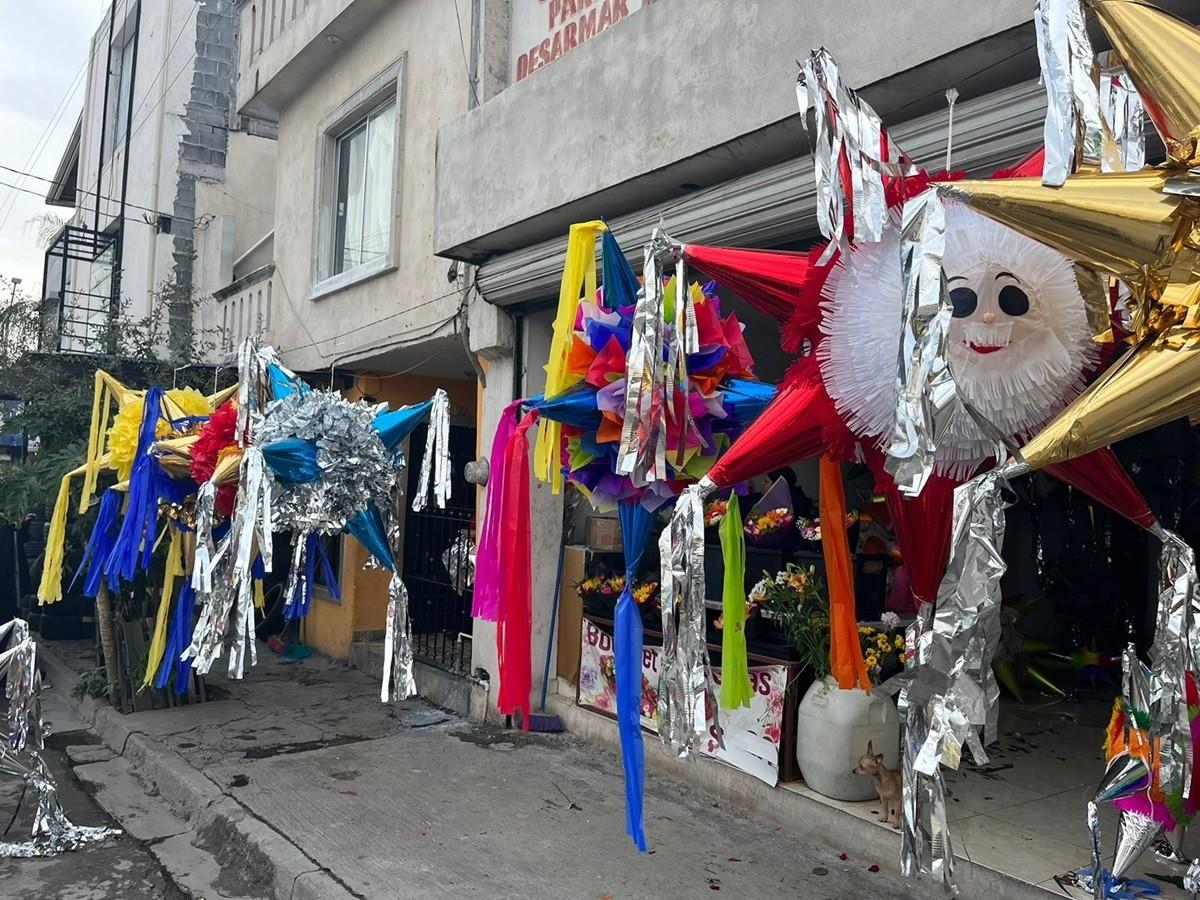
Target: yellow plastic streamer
(50,589)
(736,689)
(158,643)
(579,274)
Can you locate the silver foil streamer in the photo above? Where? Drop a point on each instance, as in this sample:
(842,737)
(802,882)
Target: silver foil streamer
(686,689)
(215,604)
(1122,109)
(952,694)
(51,832)
(1093,119)
(844,124)
(1174,653)
(459,561)
(643,451)
(436,460)
(399,681)
(251,527)
(925,390)
(841,125)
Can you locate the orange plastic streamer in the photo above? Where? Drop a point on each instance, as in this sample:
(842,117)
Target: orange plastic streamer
(846,662)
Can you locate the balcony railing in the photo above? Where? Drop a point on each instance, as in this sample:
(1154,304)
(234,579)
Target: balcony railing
(243,309)
(78,292)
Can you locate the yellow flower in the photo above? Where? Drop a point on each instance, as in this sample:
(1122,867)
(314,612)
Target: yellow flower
(882,643)
(899,642)
(863,629)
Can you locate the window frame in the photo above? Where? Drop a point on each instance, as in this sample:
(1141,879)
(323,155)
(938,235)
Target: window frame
(115,132)
(387,86)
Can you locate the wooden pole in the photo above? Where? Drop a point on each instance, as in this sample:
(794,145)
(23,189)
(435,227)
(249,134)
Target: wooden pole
(108,642)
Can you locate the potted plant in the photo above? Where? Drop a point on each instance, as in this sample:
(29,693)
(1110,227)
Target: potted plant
(833,726)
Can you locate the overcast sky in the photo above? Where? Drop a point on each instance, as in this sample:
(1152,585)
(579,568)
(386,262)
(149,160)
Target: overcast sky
(44,44)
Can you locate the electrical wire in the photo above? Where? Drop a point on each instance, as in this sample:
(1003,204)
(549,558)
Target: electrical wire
(433,328)
(466,64)
(43,140)
(88,193)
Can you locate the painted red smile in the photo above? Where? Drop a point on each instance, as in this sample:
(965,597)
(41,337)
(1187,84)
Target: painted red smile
(979,348)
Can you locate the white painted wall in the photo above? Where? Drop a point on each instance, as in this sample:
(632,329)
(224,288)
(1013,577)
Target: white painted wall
(240,212)
(401,307)
(161,88)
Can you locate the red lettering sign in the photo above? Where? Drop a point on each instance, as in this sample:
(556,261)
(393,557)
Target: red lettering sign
(569,24)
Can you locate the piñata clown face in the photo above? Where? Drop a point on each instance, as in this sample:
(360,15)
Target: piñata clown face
(1019,339)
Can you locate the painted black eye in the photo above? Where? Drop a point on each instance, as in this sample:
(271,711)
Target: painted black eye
(964,300)
(1013,300)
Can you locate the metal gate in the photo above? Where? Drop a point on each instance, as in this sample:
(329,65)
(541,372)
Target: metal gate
(437,568)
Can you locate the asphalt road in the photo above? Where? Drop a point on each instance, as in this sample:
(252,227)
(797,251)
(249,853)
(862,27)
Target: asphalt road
(120,868)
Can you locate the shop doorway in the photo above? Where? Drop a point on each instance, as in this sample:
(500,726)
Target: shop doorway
(438,566)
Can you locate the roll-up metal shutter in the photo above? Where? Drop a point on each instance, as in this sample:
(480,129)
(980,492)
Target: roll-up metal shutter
(778,204)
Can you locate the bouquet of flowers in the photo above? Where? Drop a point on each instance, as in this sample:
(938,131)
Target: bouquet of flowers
(883,649)
(714,512)
(772,521)
(795,598)
(810,529)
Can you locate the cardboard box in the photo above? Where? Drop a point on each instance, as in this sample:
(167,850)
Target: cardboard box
(604,533)
(570,613)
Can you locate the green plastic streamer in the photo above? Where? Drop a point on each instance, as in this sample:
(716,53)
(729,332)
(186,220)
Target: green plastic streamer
(735,676)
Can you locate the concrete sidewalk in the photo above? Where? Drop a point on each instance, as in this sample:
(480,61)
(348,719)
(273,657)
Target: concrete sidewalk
(312,788)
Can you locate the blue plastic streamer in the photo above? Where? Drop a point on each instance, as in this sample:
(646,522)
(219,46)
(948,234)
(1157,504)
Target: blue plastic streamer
(292,460)
(627,657)
(393,426)
(178,638)
(100,543)
(134,546)
(576,406)
(327,573)
(368,528)
(301,603)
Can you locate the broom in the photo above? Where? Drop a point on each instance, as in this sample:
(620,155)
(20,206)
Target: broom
(543,721)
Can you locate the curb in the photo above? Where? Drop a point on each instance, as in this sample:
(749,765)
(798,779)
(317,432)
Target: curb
(227,829)
(826,825)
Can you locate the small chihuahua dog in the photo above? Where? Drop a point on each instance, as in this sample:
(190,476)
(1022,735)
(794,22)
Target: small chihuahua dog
(888,783)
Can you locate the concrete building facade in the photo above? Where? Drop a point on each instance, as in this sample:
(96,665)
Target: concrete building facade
(345,284)
(155,132)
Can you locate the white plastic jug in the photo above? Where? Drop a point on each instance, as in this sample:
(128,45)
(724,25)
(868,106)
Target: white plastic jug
(833,728)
